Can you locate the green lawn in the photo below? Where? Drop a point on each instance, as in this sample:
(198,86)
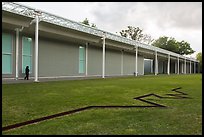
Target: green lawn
(22,102)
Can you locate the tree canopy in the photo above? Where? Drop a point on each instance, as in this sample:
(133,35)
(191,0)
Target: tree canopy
(135,33)
(171,44)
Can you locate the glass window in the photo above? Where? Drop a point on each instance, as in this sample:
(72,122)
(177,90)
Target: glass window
(26,53)
(81,59)
(6,53)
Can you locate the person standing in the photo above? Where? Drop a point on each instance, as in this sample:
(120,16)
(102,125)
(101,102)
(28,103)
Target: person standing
(27,73)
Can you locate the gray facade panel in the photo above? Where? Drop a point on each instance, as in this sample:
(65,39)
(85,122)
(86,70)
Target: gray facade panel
(165,67)
(128,63)
(160,67)
(57,58)
(187,67)
(113,62)
(94,60)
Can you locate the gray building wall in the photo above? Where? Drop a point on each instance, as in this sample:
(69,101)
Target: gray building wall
(113,62)
(160,67)
(187,67)
(60,58)
(94,60)
(128,63)
(172,67)
(57,58)
(165,67)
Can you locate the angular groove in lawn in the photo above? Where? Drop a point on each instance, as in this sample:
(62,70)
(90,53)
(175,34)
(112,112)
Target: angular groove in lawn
(152,104)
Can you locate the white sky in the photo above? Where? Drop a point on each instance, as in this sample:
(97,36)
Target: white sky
(181,20)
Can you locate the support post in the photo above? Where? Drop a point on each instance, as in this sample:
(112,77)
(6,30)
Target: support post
(36,48)
(87,45)
(136,52)
(156,63)
(190,66)
(103,63)
(194,67)
(178,66)
(185,66)
(17,47)
(175,69)
(121,62)
(168,65)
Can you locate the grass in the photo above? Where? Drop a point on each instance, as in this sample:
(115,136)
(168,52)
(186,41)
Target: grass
(22,102)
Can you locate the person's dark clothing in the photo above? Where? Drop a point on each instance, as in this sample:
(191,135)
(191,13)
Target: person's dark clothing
(27,73)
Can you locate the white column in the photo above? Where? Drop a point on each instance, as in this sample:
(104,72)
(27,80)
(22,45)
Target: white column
(121,62)
(178,66)
(86,73)
(190,66)
(17,47)
(156,64)
(103,63)
(136,51)
(168,65)
(36,49)
(185,66)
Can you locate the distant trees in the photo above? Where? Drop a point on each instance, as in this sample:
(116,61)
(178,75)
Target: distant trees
(135,33)
(171,44)
(86,22)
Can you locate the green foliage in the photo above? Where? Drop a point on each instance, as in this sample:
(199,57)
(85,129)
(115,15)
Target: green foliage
(135,33)
(184,48)
(86,22)
(173,45)
(93,25)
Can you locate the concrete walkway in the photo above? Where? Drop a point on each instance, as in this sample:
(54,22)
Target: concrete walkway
(31,80)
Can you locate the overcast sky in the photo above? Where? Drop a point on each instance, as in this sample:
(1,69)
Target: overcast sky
(181,20)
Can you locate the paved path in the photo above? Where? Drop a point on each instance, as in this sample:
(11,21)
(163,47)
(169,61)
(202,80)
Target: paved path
(31,80)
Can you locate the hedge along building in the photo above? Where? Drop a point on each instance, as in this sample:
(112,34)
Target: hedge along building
(55,47)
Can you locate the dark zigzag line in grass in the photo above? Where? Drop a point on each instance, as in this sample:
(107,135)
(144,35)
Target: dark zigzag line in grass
(91,107)
(178,96)
(64,113)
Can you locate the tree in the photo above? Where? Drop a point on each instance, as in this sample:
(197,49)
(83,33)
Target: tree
(199,58)
(184,48)
(166,43)
(173,45)
(86,22)
(135,33)
(93,25)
